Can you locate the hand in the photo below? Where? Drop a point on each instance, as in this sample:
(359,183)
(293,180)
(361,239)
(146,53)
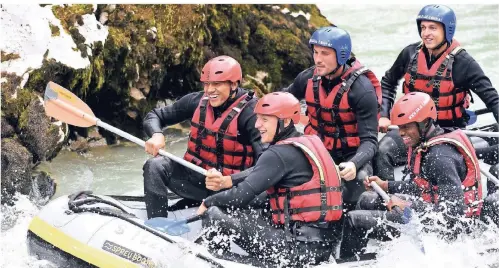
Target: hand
(383,184)
(397,202)
(383,124)
(348,171)
(215,181)
(202,208)
(156,142)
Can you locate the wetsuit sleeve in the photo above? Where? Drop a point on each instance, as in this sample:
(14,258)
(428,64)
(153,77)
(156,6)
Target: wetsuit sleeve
(444,166)
(362,98)
(246,127)
(268,171)
(468,74)
(299,85)
(181,110)
(390,81)
(239,177)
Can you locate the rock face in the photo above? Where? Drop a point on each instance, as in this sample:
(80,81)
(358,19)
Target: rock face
(123,59)
(16,169)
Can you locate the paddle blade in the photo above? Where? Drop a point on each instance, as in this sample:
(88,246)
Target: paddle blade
(65,106)
(170,226)
(472,117)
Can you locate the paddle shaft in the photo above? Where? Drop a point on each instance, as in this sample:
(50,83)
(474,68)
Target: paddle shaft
(385,196)
(142,143)
(490,176)
(476,133)
(380,191)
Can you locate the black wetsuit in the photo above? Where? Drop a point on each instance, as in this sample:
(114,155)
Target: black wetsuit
(161,173)
(363,101)
(280,165)
(466,74)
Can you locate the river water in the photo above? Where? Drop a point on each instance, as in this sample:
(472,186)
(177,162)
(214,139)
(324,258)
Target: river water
(379,33)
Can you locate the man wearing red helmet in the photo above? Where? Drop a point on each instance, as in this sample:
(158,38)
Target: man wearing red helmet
(303,187)
(440,67)
(443,176)
(443,167)
(222,136)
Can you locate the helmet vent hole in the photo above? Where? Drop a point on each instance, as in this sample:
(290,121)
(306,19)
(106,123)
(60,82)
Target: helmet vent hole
(265,105)
(431,109)
(218,72)
(221,59)
(295,112)
(405,99)
(412,93)
(275,93)
(401,115)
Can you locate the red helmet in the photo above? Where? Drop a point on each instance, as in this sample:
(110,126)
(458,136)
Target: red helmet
(413,107)
(281,104)
(220,69)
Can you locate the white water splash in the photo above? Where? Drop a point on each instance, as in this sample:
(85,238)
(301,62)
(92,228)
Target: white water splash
(15,222)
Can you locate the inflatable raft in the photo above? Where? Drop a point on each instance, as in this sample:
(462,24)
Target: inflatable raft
(86,230)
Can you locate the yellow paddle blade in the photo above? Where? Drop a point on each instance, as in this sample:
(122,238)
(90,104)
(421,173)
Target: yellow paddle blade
(65,106)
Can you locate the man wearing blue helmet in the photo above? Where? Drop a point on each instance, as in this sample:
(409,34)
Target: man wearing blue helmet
(438,66)
(342,99)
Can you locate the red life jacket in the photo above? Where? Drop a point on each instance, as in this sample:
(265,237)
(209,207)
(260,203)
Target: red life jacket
(319,199)
(330,116)
(213,143)
(472,184)
(437,82)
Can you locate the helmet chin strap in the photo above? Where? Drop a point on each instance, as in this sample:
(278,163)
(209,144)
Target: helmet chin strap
(423,129)
(279,129)
(441,44)
(333,72)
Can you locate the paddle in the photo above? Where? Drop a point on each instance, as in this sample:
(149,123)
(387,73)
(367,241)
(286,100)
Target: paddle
(476,133)
(172,226)
(473,115)
(490,176)
(65,106)
(406,215)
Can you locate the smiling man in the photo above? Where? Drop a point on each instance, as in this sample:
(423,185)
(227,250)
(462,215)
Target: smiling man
(442,166)
(303,187)
(342,98)
(223,136)
(444,177)
(440,67)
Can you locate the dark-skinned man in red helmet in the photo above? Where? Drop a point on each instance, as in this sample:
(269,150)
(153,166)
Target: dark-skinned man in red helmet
(303,187)
(222,136)
(442,176)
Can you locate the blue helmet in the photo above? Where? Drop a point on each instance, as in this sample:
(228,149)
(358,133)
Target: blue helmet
(439,13)
(335,38)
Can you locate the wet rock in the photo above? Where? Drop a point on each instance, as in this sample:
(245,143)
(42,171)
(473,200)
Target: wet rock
(136,94)
(41,136)
(16,169)
(80,145)
(43,187)
(7,129)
